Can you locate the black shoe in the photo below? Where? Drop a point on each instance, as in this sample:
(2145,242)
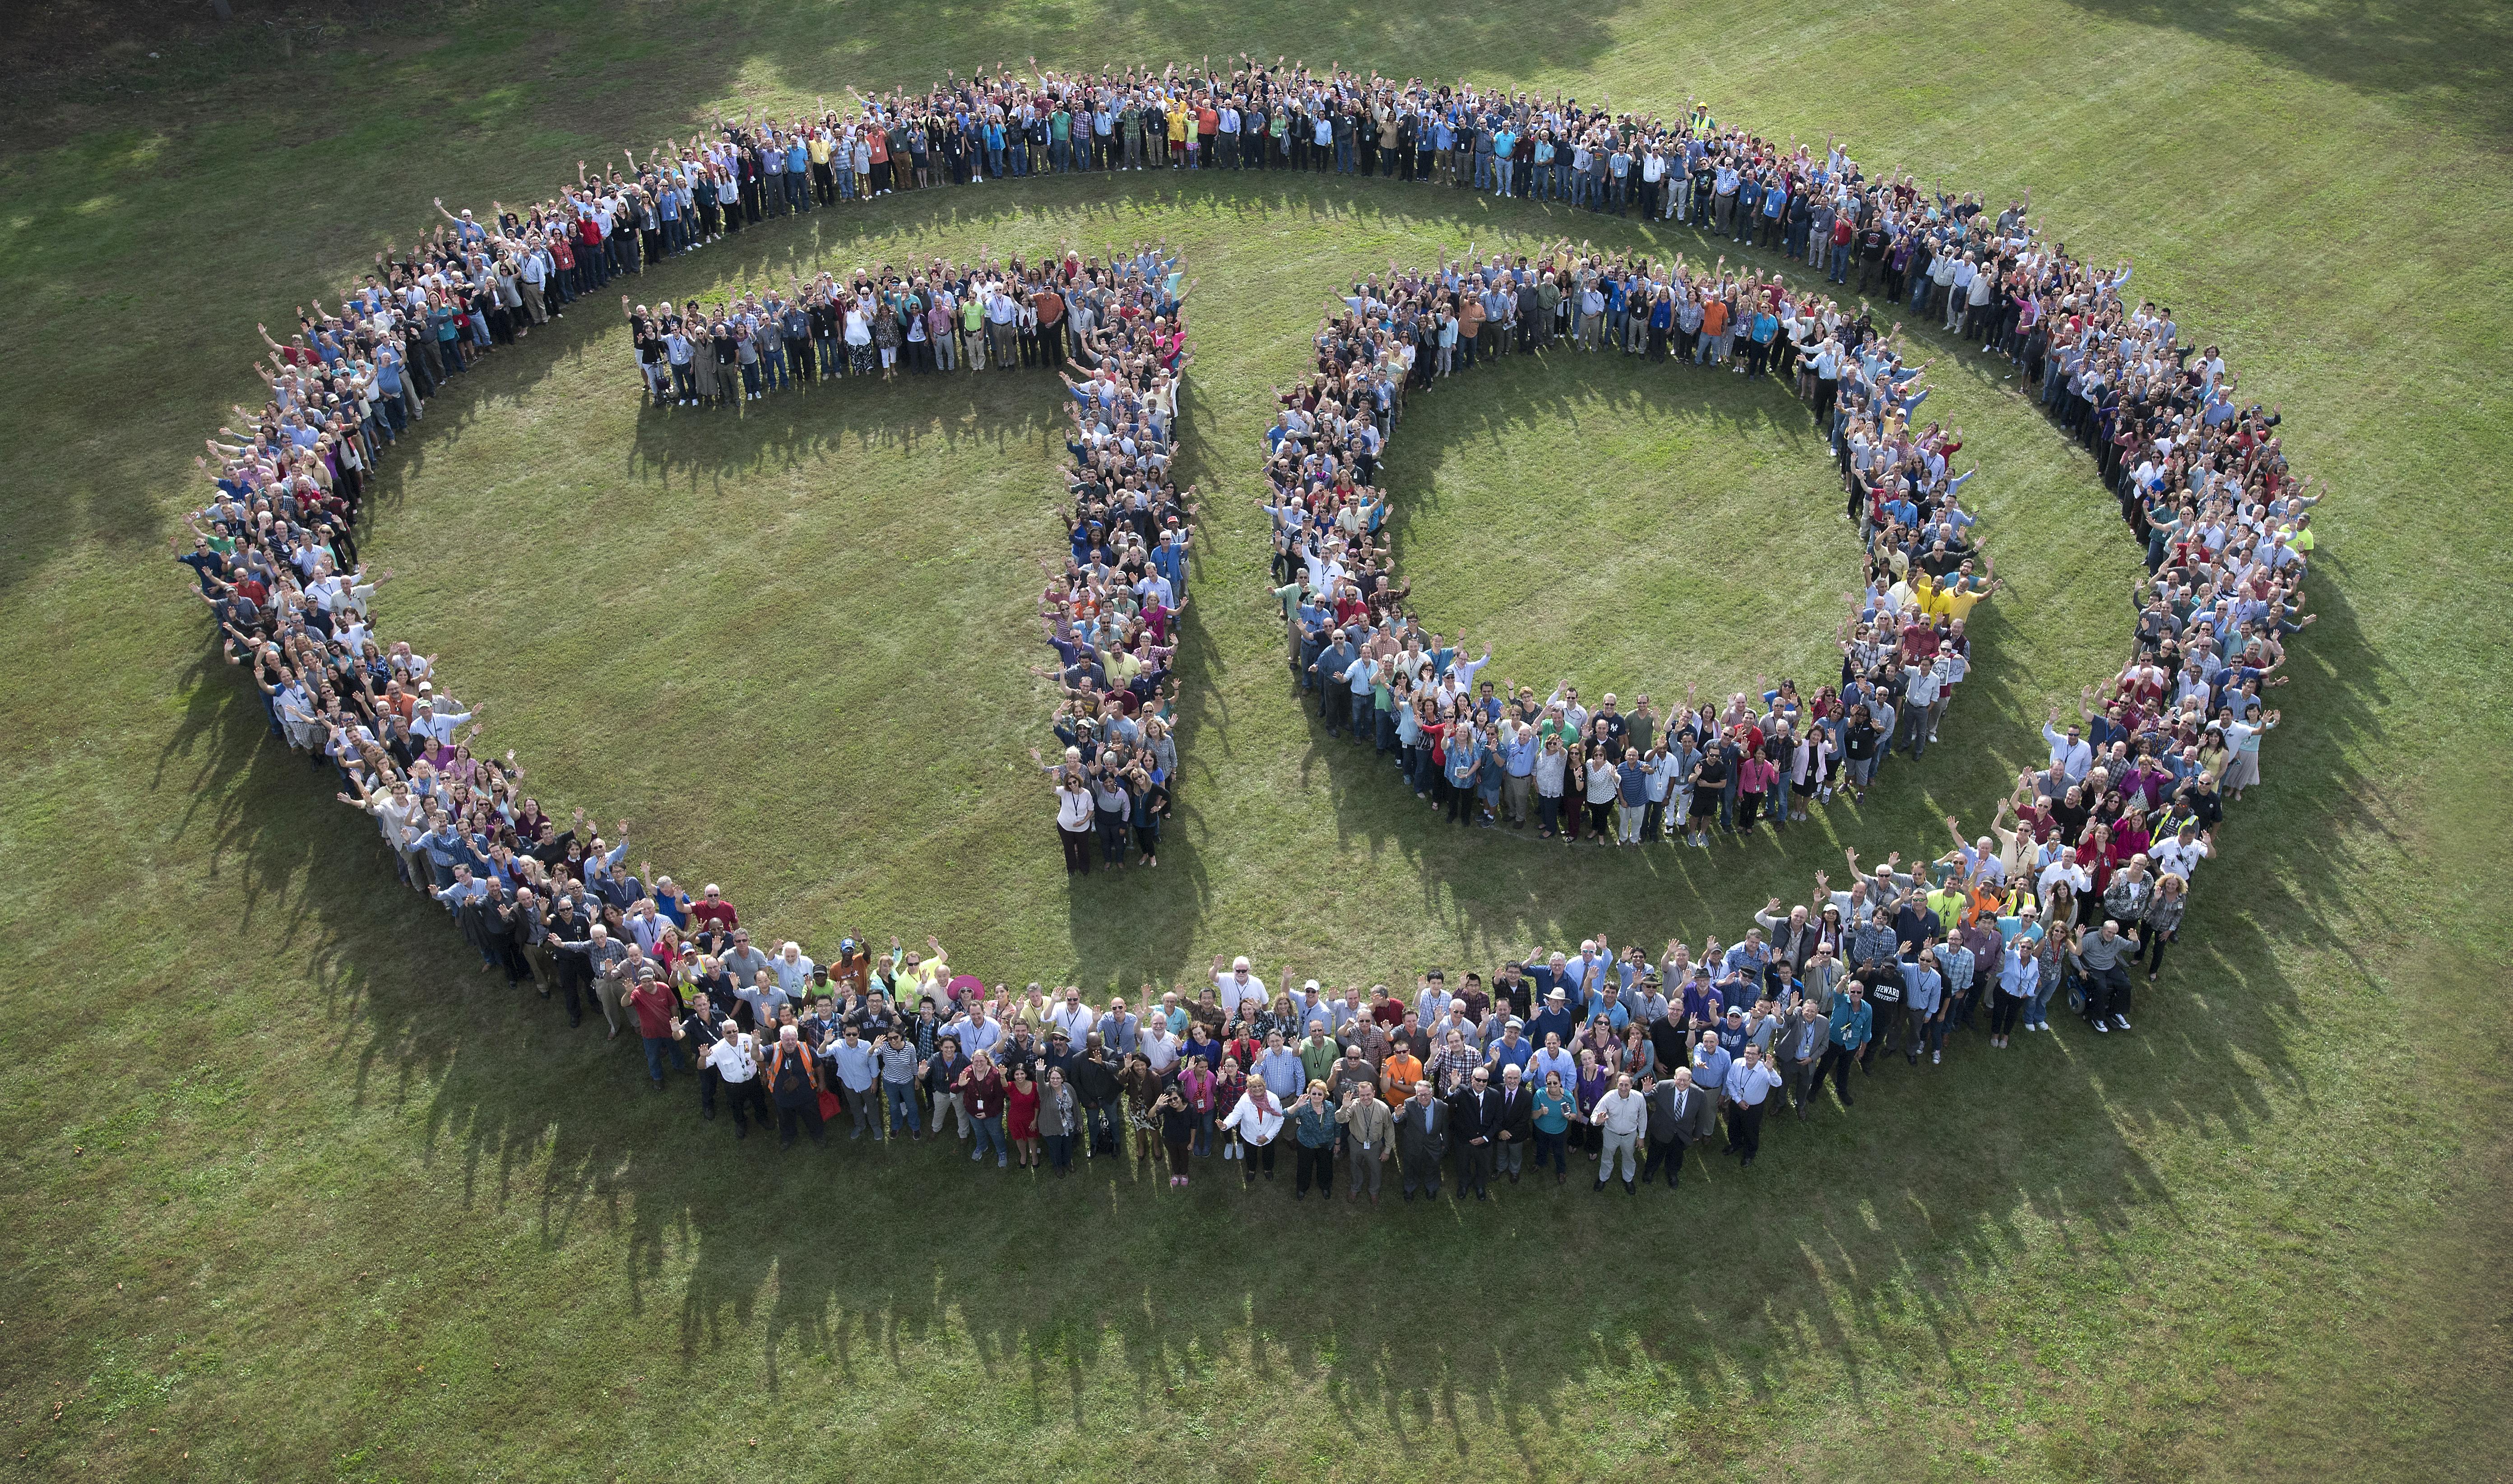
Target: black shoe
(741,1131)
(1482,1195)
(1409,1197)
(1601,1187)
(1631,1189)
(707,1113)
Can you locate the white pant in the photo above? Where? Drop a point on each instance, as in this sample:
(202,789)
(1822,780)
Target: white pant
(1626,1145)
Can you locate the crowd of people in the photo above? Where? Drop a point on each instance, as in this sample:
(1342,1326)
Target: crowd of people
(1625,1056)
(1623,772)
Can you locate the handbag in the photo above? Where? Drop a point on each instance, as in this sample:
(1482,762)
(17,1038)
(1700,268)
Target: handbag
(830,1106)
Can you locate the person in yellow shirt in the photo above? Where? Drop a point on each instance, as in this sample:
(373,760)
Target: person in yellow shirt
(824,185)
(1956,597)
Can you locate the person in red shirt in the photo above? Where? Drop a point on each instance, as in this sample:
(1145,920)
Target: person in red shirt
(711,908)
(657,1006)
(982,1096)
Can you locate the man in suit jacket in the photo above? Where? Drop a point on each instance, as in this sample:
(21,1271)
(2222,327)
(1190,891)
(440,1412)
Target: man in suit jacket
(1421,1140)
(1370,1136)
(1474,1112)
(1674,1114)
(1515,1127)
(1797,1050)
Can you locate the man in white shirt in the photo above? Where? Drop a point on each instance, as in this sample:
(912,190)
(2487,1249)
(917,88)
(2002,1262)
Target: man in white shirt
(1072,1017)
(734,1060)
(1236,986)
(1750,1079)
(1621,1115)
(2181,854)
(1158,1045)
(2071,755)
(792,968)
(2066,868)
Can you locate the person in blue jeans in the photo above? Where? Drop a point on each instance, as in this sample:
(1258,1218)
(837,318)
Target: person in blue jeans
(1464,759)
(982,1098)
(896,1065)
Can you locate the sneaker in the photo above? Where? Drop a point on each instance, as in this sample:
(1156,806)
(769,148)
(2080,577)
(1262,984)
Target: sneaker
(2120,1020)
(1936,1056)
(1000,1160)
(2101,1029)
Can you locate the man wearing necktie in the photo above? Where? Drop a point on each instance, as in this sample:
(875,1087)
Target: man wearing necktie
(1475,1112)
(1798,1049)
(1674,1107)
(1421,1141)
(1514,1123)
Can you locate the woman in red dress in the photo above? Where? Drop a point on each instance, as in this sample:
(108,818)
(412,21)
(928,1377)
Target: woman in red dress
(1020,1103)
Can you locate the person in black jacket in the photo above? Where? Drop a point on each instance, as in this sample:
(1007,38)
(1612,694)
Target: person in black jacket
(1096,1087)
(1674,1113)
(1474,1112)
(1514,1128)
(1421,1141)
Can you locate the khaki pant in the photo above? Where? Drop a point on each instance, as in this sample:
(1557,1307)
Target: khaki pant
(533,306)
(1367,1171)
(1513,796)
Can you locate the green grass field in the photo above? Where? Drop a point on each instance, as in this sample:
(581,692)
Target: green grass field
(291,1190)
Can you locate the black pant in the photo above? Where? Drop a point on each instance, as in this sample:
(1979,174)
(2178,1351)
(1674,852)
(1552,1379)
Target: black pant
(1421,1172)
(1670,1154)
(749,1102)
(805,1114)
(1255,1155)
(1077,851)
(2106,993)
(1837,1061)
(2004,1009)
(1745,1128)
(2154,952)
(1474,1168)
(1316,1165)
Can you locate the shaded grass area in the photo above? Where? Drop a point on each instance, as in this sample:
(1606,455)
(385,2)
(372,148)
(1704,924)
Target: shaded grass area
(289,1184)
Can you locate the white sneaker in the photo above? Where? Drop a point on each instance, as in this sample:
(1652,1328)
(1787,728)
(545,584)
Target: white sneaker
(2120,1020)
(1936,1056)
(2101,1029)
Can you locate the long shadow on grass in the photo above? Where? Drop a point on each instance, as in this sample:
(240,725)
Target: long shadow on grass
(1856,1235)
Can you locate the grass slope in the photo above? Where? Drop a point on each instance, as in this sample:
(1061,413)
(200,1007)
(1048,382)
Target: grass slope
(290,1191)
